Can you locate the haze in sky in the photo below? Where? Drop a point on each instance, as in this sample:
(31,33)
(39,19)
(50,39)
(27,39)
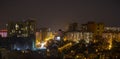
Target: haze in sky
(58,13)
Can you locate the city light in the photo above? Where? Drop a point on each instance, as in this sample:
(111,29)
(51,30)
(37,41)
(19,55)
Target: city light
(43,45)
(110,44)
(58,38)
(83,44)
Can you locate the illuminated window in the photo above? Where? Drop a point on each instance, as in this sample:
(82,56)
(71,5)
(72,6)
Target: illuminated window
(19,31)
(58,38)
(13,31)
(26,28)
(16,26)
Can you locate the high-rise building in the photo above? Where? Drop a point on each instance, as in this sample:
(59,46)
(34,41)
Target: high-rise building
(75,34)
(42,36)
(21,28)
(96,28)
(22,34)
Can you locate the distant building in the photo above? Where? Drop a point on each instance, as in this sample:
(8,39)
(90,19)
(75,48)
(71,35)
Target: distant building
(21,28)
(108,38)
(42,36)
(22,34)
(43,33)
(75,34)
(111,34)
(112,29)
(96,28)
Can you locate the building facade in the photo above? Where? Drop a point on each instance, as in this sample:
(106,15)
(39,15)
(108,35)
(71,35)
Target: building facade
(42,36)
(22,34)
(95,28)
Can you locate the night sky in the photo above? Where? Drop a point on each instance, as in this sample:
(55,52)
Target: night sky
(58,13)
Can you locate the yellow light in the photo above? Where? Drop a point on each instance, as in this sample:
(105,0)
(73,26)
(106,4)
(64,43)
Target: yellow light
(77,56)
(110,46)
(43,45)
(65,46)
(48,37)
(65,38)
(96,50)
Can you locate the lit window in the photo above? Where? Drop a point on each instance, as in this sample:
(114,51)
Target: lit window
(13,31)
(19,31)
(58,38)
(16,26)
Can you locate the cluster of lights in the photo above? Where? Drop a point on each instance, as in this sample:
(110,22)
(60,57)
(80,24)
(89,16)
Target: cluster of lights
(76,36)
(41,44)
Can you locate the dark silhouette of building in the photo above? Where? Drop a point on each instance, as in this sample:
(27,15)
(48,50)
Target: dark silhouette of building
(73,27)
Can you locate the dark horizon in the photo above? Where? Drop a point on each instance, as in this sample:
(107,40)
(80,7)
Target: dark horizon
(57,14)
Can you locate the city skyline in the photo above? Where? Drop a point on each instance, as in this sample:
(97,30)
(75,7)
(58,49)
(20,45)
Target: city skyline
(57,14)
